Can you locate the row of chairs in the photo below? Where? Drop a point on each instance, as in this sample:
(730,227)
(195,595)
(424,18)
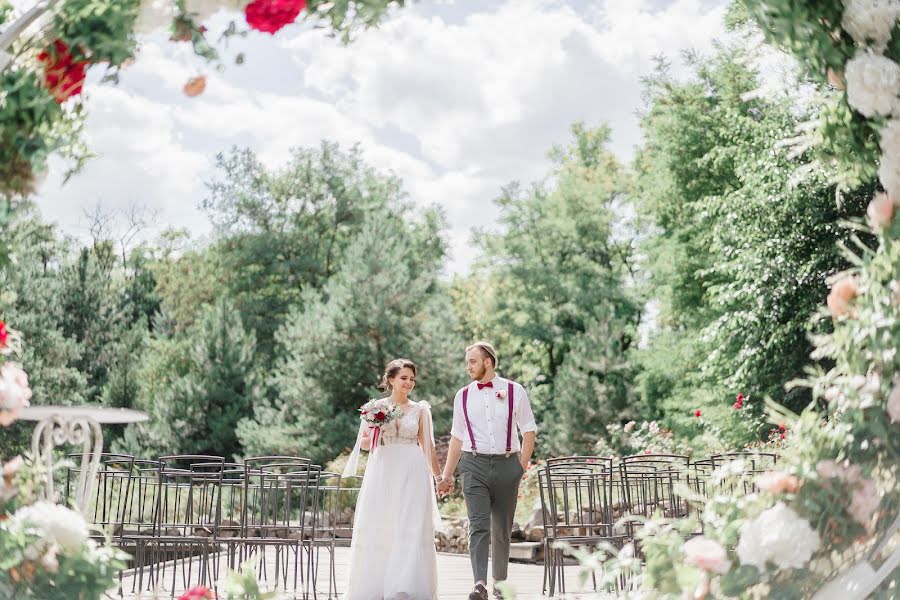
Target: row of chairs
(598,504)
(183,518)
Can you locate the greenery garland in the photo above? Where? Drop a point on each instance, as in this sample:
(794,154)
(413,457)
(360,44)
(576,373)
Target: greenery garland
(54,54)
(821,525)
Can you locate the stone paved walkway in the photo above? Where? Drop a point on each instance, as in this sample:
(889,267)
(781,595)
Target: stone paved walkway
(455,578)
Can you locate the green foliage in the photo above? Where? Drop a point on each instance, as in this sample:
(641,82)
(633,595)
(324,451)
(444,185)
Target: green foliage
(646,437)
(244,585)
(556,304)
(347,16)
(739,257)
(92,312)
(384,303)
(6,10)
(28,115)
(196,385)
(35,565)
(186,279)
(593,388)
(99,30)
(33,291)
(32,124)
(838,472)
(843,141)
(280,232)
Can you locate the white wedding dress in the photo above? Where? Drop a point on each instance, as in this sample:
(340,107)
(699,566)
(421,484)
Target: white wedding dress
(392,555)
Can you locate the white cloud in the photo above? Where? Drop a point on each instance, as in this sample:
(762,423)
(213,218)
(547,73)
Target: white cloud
(456,101)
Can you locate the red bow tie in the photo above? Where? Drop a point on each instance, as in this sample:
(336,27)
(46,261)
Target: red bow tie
(489,384)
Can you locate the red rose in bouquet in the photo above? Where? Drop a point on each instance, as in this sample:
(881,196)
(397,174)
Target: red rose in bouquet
(378,413)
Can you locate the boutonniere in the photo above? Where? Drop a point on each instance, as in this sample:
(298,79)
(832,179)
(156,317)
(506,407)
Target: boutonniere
(501,394)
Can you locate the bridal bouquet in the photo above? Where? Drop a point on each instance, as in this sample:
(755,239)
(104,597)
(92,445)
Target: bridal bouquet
(378,413)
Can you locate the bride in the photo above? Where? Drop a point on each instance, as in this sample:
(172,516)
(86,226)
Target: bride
(392,555)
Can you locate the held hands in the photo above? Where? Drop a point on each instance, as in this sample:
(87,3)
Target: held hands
(443,486)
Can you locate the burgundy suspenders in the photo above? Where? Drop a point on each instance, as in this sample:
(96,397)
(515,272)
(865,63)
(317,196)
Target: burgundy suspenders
(510,401)
(509,421)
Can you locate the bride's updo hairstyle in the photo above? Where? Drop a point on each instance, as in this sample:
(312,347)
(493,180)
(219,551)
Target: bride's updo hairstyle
(391,370)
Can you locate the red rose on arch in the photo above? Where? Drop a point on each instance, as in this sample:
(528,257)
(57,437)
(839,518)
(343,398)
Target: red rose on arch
(697,413)
(4,335)
(271,15)
(63,75)
(198,593)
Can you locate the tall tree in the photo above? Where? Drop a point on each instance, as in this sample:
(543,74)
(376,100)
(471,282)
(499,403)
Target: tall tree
(738,255)
(32,302)
(196,385)
(557,274)
(385,302)
(281,231)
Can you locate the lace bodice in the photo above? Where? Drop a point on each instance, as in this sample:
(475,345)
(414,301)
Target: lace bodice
(404,430)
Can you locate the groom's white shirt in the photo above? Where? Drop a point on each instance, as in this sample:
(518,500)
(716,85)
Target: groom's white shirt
(488,415)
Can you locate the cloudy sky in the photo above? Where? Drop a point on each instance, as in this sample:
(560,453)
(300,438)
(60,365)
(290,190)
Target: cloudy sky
(456,98)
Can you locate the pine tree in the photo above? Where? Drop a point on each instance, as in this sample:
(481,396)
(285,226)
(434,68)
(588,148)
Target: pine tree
(334,350)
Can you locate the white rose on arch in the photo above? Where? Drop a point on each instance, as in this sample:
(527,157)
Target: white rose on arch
(870,22)
(889,171)
(873,84)
(56,524)
(778,535)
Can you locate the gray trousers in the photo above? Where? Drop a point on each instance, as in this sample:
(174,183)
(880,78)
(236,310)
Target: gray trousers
(490,484)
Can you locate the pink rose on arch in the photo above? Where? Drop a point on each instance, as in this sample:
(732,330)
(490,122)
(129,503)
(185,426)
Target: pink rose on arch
(841,296)
(893,404)
(864,502)
(828,469)
(706,554)
(7,489)
(198,593)
(778,482)
(880,211)
(14,392)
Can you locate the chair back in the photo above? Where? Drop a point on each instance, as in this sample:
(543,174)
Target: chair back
(189,499)
(651,484)
(110,491)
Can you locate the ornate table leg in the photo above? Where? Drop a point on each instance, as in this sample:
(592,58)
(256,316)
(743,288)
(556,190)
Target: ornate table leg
(59,430)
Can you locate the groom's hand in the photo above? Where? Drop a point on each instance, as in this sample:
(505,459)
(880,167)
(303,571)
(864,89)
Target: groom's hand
(443,488)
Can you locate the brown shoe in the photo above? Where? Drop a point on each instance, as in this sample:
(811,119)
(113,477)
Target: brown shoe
(479,593)
(498,595)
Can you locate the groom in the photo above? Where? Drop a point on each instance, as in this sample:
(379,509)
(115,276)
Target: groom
(488,415)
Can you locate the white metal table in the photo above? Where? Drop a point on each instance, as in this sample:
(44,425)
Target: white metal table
(76,426)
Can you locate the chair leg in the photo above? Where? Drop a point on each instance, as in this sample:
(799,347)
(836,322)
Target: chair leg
(546,576)
(551,556)
(562,572)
